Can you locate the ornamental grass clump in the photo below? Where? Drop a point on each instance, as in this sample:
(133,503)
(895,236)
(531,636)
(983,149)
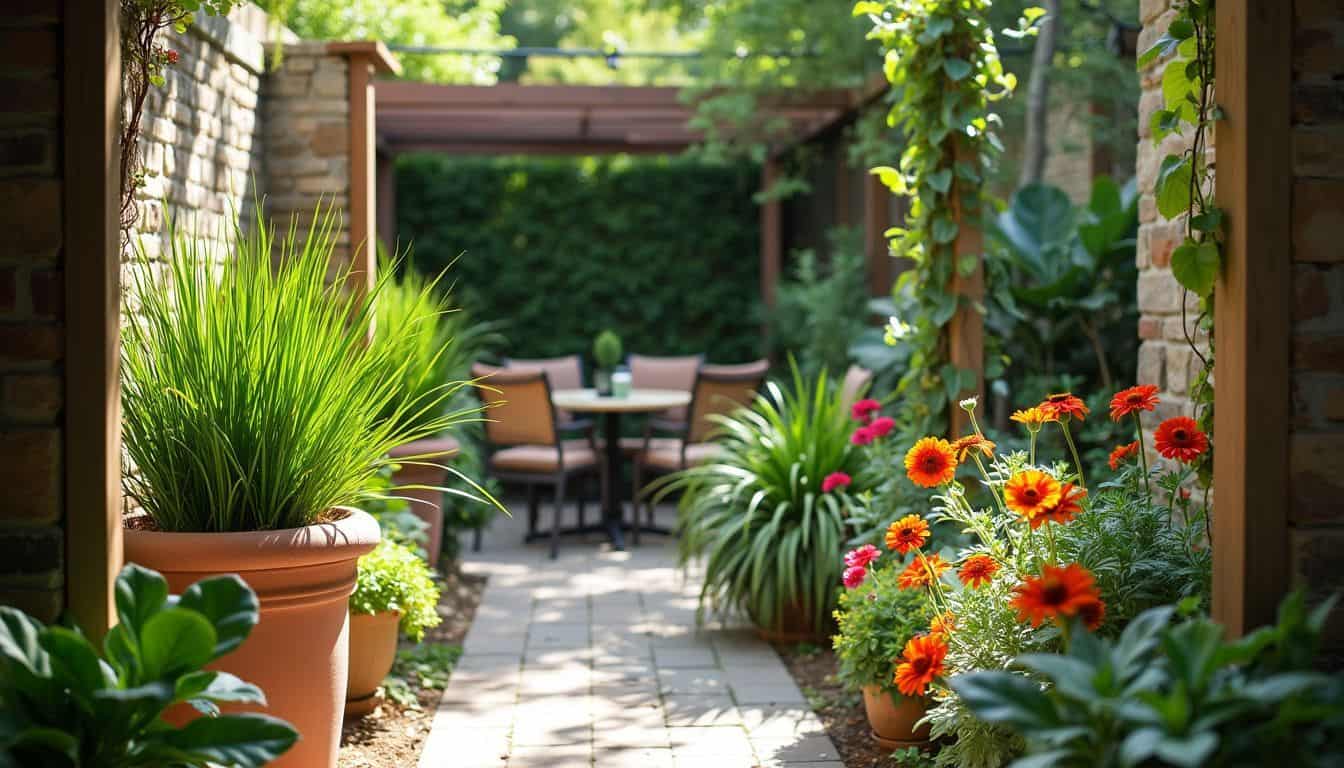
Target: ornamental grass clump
(1049,555)
(252,399)
(758,514)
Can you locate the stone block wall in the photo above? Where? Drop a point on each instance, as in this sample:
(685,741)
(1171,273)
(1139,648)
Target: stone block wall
(1316,447)
(32,537)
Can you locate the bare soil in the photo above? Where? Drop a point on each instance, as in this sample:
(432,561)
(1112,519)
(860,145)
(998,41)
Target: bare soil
(391,736)
(840,711)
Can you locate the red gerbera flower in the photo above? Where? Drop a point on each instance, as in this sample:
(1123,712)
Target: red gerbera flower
(1122,453)
(1063,405)
(910,532)
(862,555)
(862,436)
(1067,508)
(1092,612)
(931,462)
(1057,592)
(1180,438)
(882,426)
(921,663)
(854,576)
(863,410)
(835,480)
(977,571)
(1133,400)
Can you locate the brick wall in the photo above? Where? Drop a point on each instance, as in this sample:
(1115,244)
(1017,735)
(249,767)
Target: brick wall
(1316,453)
(31,291)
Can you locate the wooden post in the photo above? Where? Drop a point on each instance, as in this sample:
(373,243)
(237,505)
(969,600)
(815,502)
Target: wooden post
(92,196)
(387,200)
(1253,307)
(772,244)
(876,248)
(966,330)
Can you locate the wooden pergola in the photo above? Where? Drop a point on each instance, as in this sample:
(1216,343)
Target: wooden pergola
(510,119)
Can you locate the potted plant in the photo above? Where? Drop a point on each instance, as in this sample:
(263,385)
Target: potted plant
(394,590)
(65,704)
(607,355)
(253,420)
(876,620)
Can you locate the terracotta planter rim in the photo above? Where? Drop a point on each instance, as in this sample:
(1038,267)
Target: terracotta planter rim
(242,551)
(446,446)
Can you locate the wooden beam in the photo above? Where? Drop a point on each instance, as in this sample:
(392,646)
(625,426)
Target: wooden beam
(395,144)
(1253,309)
(876,248)
(92,246)
(772,235)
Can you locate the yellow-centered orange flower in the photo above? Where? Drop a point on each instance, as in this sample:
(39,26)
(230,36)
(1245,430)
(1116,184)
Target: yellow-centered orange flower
(922,571)
(931,462)
(1057,593)
(1122,453)
(910,532)
(967,445)
(977,570)
(1031,492)
(1065,510)
(921,663)
(1032,418)
(943,624)
(1064,405)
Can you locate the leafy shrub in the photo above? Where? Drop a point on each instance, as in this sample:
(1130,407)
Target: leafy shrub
(876,620)
(251,400)
(1173,694)
(757,513)
(814,317)
(663,251)
(65,705)
(607,349)
(394,578)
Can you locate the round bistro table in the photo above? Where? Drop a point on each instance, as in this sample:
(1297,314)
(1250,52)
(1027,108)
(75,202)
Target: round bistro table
(611,409)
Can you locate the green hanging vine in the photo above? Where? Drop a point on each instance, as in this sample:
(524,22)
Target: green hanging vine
(944,69)
(1184,186)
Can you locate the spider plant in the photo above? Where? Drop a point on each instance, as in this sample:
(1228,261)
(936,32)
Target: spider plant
(770,539)
(252,399)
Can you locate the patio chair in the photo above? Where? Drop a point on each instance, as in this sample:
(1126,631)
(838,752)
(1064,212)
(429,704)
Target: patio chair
(855,384)
(718,389)
(564,372)
(649,372)
(525,442)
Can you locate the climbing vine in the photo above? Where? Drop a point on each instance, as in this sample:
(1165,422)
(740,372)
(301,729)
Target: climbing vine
(945,72)
(1184,187)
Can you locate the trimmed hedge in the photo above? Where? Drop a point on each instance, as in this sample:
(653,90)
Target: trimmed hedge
(662,251)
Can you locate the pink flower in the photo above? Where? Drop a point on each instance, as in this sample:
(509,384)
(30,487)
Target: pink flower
(835,480)
(862,556)
(863,410)
(882,426)
(172,56)
(862,436)
(855,575)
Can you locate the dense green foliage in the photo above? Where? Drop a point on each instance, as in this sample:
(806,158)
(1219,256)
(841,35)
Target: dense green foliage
(814,317)
(663,252)
(394,578)
(64,704)
(1173,694)
(251,398)
(875,621)
(756,513)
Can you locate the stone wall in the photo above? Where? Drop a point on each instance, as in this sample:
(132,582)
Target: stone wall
(1316,452)
(32,385)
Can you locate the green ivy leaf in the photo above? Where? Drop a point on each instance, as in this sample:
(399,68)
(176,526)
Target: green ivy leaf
(1033,13)
(891,179)
(1195,266)
(957,69)
(944,230)
(1208,221)
(868,7)
(1173,186)
(941,181)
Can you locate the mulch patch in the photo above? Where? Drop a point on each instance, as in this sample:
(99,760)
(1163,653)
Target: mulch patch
(391,737)
(840,711)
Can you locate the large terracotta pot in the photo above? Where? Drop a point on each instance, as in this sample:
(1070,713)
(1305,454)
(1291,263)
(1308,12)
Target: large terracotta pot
(427,504)
(373,648)
(298,653)
(893,717)
(792,625)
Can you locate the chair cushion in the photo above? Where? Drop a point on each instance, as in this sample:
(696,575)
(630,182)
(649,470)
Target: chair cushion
(665,453)
(544,458)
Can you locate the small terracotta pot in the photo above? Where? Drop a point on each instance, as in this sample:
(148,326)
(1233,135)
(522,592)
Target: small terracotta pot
(426,503)
(373,648)
(892,717)
(299,652)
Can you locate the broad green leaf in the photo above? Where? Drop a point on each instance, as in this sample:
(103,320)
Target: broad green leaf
(228,604)
(139,594)
(20,642)
(247,741)
(74,661)
(1195,266)
(1173,186)
(175,639)
(1005,698)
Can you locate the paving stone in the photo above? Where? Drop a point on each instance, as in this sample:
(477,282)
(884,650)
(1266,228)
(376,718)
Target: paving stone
(726,741)
(568,756)
(694,681)
(631,736)
(701,711)
(633,758)
(684,657)
(777,723)
(755,693)
(805,750)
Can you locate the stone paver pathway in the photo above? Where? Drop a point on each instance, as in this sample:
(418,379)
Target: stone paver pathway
(595,660)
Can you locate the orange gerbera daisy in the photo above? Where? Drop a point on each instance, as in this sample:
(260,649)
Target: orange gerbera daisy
(1123,452)
(1057,592)
(964,446)
(943,624)
(922,571)
(1093,613)
(1032,418)
(1133,400)
(1181,439)
(1067,508)
(1031,492)
(921,663)
(977,571)
(910,532)
(1063,405)
(931,462)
